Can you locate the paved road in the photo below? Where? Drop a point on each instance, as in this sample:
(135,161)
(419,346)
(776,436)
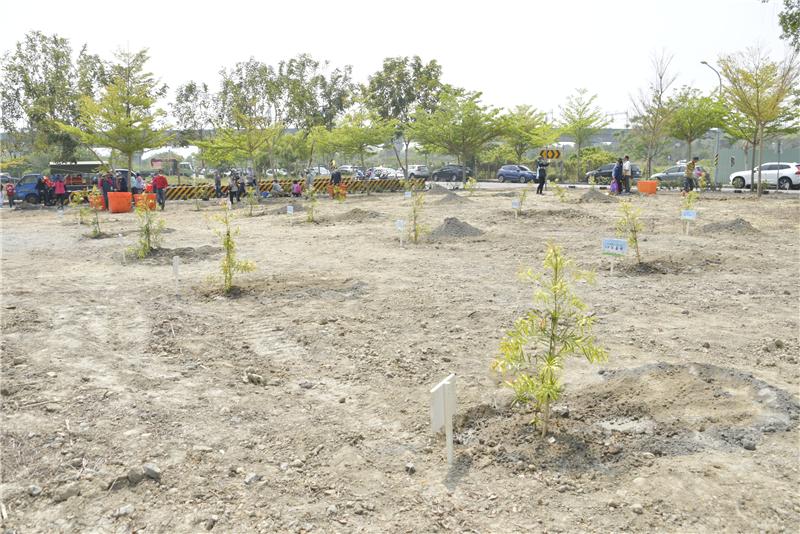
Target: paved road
(511,185)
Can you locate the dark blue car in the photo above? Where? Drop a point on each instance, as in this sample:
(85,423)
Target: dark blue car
(26,189)
(515,173)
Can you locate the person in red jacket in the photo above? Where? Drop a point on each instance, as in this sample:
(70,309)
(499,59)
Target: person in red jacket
(60,190)
(160,187)
(10,192)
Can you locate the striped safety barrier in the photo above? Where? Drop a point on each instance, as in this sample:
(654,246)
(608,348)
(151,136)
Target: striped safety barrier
(320,185)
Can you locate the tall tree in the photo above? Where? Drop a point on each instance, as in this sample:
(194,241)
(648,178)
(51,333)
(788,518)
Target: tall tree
(692,116)
(582,119)
(359,131)
(398,90)
(524,128)
(651,113)
(123,118)
(789,20)
(762,94)
(460,126)
(36,91)
(192,110)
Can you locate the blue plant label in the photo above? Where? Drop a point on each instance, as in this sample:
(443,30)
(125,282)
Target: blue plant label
(615,247)
(515,204)
(688,215)
(289,210)
(400,224)
(407,194)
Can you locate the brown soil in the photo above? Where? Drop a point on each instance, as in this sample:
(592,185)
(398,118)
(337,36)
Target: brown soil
(300,402)
(453,228)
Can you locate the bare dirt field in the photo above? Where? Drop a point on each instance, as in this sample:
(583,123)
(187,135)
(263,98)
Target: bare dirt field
(302,402)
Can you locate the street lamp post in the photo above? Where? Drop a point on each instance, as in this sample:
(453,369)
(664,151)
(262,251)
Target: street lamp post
(716,155)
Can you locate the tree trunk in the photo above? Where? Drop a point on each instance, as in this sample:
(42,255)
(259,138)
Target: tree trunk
(753,165)
(760,157)
(130,170)
(545,417)
(405,169)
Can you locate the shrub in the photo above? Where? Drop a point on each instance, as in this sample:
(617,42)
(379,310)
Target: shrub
(533,352)
(311,205)
(471,185)
(230,265)
(629,225)
(416,230)
(150,229)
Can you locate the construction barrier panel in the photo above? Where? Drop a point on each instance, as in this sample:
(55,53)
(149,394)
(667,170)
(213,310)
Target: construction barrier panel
(320,185)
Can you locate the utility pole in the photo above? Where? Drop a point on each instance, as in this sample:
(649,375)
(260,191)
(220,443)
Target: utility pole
(716,152)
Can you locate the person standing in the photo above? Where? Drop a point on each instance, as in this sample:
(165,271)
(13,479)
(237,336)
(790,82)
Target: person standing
(688,176)
(233,189)
(160,187)
(541,174)
(10,192)
(41,190)
(241,188)
(105,187)
(626,174)
(123,182)
(60,190)
(616,175)
(218,184)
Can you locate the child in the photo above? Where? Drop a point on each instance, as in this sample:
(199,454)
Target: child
(297,188)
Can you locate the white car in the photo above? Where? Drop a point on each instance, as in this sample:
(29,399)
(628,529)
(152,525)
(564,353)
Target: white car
(780,174)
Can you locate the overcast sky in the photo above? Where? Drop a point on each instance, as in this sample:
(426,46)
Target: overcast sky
(515,52)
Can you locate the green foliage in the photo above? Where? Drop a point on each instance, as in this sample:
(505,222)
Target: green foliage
(533,352)
(560,192)
(358,132)
(230,265)
(692,116)
(311,205)
(590,159)
(472,185)
(789,20)
(522,196)
(150,230)
(690,200)
(524,128)
(123,118)
(581,120)
(416,230)
(460,126)
(252,199)
(630,226)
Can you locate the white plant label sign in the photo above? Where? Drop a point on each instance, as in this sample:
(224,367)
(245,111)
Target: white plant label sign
(443,408)
(289,210)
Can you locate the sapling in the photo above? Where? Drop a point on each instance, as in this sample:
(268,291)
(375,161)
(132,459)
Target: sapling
(690,200)
(252,200)
(533,352)
(93,203)
(78,203)
(629,226)
(522,196)
(416,230)
(472,185)
(230,265)
(150,229)
(560,192)
(311,205)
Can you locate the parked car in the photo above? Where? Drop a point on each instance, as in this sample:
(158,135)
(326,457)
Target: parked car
(347,169)
(26,188)
(6,178)
(377,173)
(515,173)
(780,174)
(320,171)
(451,173)
(602,174)
(674,175)
(418,171)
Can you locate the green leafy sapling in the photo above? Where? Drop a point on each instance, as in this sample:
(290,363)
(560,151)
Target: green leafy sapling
(521,201)
(311,205)
(471,186)
(630,226)
(690,200)
(150,229)
(230,265)
(560,192)
(416,229)
(533,352)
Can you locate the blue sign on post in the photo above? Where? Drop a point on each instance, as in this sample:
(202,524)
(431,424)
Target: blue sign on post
(689,215)
(615,247)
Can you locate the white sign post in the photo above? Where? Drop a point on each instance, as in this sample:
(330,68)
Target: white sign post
(443,407)
(515,207)
(614,248)
(400,225)
(176,262)
(290,210)
(407,195)
(688,216)
(122,244)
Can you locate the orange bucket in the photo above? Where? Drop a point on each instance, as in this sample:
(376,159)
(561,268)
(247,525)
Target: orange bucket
(119,202)
(97,202)
(148,200)
(647,187)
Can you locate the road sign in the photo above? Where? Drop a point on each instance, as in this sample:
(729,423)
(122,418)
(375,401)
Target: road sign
(615,247)
(550,154)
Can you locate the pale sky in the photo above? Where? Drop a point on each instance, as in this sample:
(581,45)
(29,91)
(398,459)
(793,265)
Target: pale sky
(515,52)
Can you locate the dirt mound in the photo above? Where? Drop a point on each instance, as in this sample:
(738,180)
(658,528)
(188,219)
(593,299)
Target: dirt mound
(659,409)
(594,195)
(736,226)
(437,189)
(451,198)
(358,215)
(453,228)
